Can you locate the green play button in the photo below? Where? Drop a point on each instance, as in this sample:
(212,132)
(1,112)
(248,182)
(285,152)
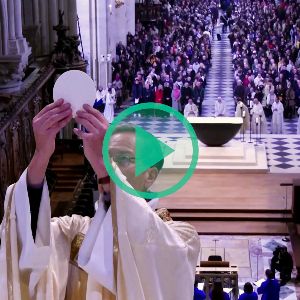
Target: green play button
(134,156)
(148,150)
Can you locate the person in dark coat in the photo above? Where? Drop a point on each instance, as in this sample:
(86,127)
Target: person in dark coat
(217,292)
(167,100)
(198,96)
(249,294)
(282,261)
(270,288)
(137,91)
(186,94)
(148,94)
(239,91)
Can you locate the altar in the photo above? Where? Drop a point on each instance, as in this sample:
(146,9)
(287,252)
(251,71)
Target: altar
(221,148)
(234,156)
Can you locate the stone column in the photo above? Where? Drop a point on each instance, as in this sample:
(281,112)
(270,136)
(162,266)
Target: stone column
(98,41)
(121,24)
(36,14)
(72,17)
(3,28)
(44,27)
(18,18)
(53,20)
(93,40)
(130,16)
(11,20)
(15,50)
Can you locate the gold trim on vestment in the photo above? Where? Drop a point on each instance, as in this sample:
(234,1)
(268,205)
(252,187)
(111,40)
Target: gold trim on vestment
(115,230)
(9,268)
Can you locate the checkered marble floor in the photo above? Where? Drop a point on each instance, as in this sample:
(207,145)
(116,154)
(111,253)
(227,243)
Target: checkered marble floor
(283,151)
(254,255)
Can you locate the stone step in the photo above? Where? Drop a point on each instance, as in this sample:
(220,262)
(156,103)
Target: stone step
(240,228)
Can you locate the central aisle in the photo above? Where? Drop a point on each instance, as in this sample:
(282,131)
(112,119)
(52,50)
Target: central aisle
(220,76)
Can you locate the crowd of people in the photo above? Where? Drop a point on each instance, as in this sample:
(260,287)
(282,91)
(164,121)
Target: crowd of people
(169,65)
(167,61)
(265,41)
(269,288)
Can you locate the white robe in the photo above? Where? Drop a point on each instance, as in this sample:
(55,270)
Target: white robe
(154,257)
(277,118)
(109,110)
(246,119)
(220,109)
(190,110)
(298,127)
(257,111)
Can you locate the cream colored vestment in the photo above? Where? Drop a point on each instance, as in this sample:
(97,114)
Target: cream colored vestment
(156,260)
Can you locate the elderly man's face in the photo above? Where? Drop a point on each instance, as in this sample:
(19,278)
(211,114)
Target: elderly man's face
(122,151)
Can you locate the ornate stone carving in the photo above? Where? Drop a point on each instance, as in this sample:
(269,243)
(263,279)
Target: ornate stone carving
(66,53)
(119,3)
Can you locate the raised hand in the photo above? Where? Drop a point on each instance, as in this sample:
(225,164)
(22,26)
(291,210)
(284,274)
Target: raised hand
(96,126)
(46,124)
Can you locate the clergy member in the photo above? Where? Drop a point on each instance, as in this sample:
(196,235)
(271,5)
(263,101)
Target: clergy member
(74,257)
(259,122)
(277,117)
(190,109)
(220,109)
(110,100)
(243,112)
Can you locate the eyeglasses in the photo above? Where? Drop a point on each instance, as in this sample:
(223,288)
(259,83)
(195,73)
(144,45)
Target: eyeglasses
(123,160)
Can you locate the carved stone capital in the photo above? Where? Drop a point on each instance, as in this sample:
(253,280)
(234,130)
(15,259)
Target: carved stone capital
(12,65)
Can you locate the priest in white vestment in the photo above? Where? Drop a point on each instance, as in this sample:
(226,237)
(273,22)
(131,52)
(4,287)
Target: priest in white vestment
(277,117)
(74,257)
(243,112)
(220,108)
(259,121)
(110,101)
(190,109)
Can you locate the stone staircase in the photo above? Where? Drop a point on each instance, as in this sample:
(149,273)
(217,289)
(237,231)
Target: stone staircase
(235,221)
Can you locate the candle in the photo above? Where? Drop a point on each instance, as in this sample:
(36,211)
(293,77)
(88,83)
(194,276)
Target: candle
(244,114)
(110,8)
(256,120)
(241,104)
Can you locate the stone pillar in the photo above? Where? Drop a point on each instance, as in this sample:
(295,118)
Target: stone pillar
(18,18)
(44,27)
(53,20)
(15,50)
(130,16)
(121,24)
(3,28)
(36,14)
(98,41)
(11,20)
(72,17)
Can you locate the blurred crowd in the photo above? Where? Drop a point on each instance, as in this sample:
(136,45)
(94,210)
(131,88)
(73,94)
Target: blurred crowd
(167,61)
(265,40)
